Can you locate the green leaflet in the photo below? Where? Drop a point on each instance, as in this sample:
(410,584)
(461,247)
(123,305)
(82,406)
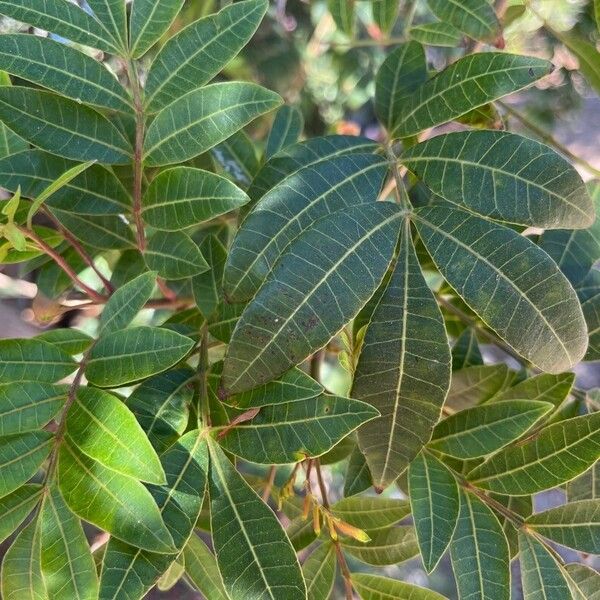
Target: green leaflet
(368,512)
(403,369)
(476,18)
(319,572)
(286,130)
(436,34)
(402,73)
(586,486)
(466,352)
(386,547)
(67,565)
(62,18)
(271,571)
(586,580)
(287,320)
(503,176)
(130,572)
(385,13)
(28,405)
(374,587)
(184,197)
(435,506)
(202,118)
(150,20)
(343,14)
(103,428)
(481,430)
(160,404)
(468,83)
(538,316)
(96,191)
(21,567)
(541,575)
(201,569)
(20,458)
(129,355)
(479,552)
(477,384)
(174,255)
(126,302)
(554,456)
(114,502)
(113,16)
(293,386)
(237,158)
(207,287)
(358,476)
(62,69)
(200,51)
(290,208)
(576,525)
(588,292)
(290,432)
(33,359)
(63,127)
(16,506)
(544,387)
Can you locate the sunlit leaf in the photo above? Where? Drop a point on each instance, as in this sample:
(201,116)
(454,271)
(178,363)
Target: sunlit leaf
(16,506)
(201,569)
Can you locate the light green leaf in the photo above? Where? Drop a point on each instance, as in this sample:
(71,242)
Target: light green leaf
(538,314)
(200,51)
(184,197)
(150,20)
(476,18)
(543,388)
(286,130)
(72,341)
(319,572)
(171,576)
(368,512)
(62,69)
(28,405)
(62,18)
(482,430)
(402,73)
(503,176)
(237,158)
(207,287)
(126,302)
(174,255)
(435,506)
(576,525)
(34,360)
(358,476)
(201,119)
(437,34)
(479,552)
(386,547)
(374,587)
(129,355)
(202,571)
(306,301)
(290,432)
(585,579)
(385,13)
(160,404)
(16,506)
(67,565)
(116,503)
(541,575)
(293,386)
(113,16)
(20,458)
(343,14)
(21,567)
(95,191)
(403,369)
(103,428)
(468,83)
(290,208)
(254,555)
(466,352)
(554,456)
(63,127)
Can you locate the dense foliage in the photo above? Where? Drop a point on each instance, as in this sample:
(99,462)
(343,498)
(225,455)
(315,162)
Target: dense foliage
(193,425)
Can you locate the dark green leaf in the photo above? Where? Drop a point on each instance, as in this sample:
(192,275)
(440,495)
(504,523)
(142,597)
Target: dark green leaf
(237,158)
(197,53)
(385,13)
(319,572)
(63,127)
(16,506)
(72,341)
(149,22)
(403,369)
(374,587)
(585,579)
(306,300)
(208,286)
(129,355)
(466,352)
(287,129)
(476,18)
(174,255)
(387,546)
(254,555)
(113,16)
(586,486)
(588,292)
(437,34)
(435,506)
(183,197)
(358,476)
(538,315)
(201,569)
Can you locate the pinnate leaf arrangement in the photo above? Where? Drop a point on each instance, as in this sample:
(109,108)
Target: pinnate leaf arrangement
(195,435)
